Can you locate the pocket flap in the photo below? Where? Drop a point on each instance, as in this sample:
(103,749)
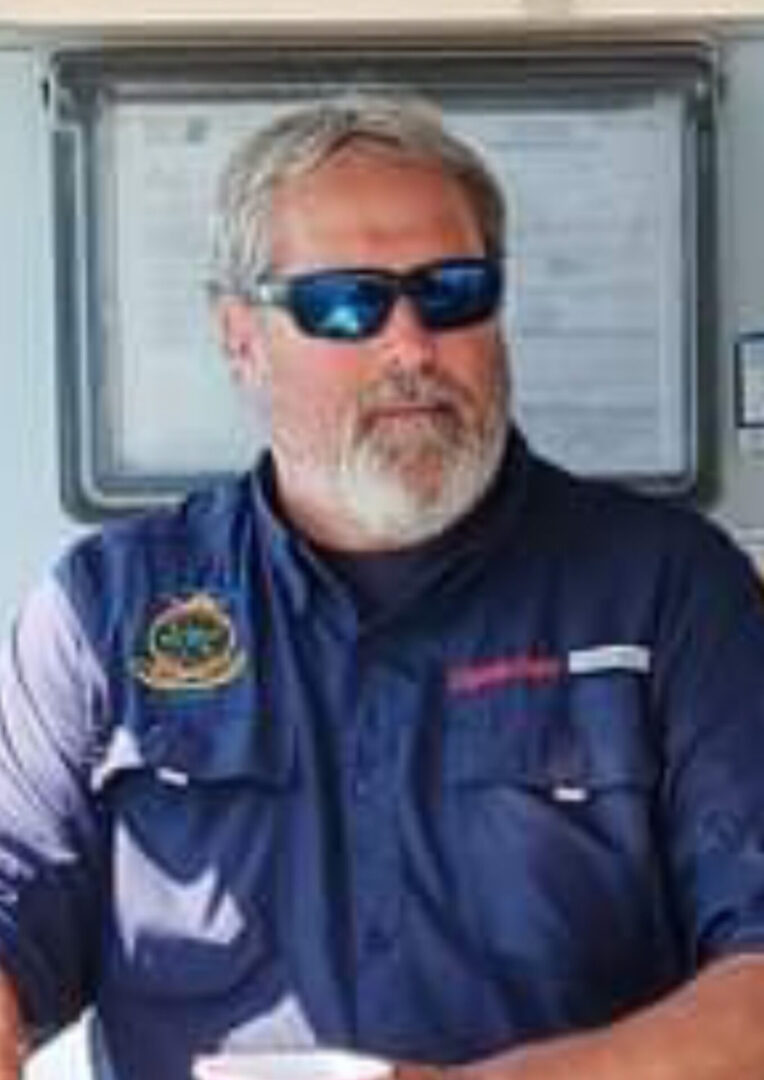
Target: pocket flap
(586,733)
(213,744)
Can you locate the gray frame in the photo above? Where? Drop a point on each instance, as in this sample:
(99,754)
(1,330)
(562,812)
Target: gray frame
(85,86)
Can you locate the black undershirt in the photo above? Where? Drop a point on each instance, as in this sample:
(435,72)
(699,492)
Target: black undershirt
(380,580)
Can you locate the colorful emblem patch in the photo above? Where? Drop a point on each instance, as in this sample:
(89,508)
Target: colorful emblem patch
(190,645)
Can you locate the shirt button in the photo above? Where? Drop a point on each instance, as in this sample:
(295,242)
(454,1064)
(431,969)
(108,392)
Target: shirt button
(375,940)
(361,787)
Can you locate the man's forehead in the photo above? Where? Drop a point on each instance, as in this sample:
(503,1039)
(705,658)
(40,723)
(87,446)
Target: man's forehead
(370,163)
(368,193)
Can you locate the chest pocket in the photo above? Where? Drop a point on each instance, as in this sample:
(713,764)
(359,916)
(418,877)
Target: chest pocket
(564,772)
(547,810)
(572,740)
(193,800)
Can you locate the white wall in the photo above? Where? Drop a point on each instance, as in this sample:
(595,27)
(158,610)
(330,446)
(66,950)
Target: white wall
(262,13)
(32,525)
(741,269)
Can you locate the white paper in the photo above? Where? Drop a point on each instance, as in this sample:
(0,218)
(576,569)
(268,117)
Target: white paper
(751,380)
(320,1064)
(595,271)
(171,405)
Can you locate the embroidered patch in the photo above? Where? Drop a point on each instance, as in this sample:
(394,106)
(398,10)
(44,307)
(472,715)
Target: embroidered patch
(190,645)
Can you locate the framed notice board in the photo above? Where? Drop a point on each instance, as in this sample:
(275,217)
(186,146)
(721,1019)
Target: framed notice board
(604,153)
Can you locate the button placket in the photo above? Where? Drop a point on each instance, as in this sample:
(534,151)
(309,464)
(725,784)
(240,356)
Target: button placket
(374,817)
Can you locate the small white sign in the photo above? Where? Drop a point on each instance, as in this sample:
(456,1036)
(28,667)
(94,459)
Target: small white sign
(751,371)
(749,392)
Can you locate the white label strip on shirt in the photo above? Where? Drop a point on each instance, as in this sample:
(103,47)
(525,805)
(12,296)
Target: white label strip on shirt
(173,776)
(609,658)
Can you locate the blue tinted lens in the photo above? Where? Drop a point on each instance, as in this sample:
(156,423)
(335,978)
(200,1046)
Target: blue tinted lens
(343,304)
(456,293)
(352,304)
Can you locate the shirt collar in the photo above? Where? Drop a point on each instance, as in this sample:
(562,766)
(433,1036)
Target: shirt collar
(280,540)
(465,544)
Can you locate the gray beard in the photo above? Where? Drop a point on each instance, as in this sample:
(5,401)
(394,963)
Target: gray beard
(378,486)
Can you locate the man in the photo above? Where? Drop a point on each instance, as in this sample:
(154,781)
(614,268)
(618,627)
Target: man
(408,742)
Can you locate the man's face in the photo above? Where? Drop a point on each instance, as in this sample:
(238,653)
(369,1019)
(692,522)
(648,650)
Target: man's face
(382,442)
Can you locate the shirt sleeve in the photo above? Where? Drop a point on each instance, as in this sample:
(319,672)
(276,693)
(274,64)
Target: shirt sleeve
(52,707)
(712,705)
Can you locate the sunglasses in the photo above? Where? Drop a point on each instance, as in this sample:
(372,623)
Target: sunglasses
(353,304)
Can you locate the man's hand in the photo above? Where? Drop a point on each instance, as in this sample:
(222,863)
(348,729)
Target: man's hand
(412,1071)
(710,1029)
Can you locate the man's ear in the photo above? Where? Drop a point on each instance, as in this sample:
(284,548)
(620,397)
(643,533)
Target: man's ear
(243,340)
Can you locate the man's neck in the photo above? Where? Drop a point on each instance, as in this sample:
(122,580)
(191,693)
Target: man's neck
(317,512)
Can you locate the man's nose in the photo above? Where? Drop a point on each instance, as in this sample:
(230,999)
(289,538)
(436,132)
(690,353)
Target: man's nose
(404,339)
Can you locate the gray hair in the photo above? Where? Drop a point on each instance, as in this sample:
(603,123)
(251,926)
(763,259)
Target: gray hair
(301,140)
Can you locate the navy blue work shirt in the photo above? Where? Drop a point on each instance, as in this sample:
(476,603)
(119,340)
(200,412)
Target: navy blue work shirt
(525,800)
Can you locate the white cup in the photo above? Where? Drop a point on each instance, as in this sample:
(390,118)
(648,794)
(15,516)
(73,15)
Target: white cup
(308,1064)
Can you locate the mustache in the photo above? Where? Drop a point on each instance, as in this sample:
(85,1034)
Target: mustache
(406,388)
